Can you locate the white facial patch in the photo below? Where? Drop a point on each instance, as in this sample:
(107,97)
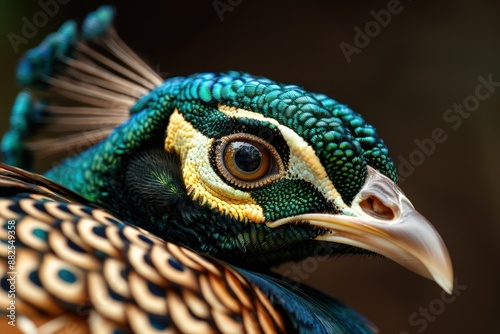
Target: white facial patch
(202,182)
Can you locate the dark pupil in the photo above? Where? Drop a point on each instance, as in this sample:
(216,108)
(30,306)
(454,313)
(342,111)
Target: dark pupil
(246,157)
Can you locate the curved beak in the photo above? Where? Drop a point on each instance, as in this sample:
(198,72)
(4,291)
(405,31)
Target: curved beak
(383,220)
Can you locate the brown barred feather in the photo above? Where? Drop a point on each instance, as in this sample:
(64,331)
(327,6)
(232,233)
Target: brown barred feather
(78,268)
(14,180)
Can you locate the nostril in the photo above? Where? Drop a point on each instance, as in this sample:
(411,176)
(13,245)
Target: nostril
(374,207)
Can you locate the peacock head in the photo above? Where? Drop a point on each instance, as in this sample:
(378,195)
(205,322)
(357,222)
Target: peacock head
(279,156)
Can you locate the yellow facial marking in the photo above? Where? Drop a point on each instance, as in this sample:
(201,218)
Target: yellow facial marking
(201,181)
(304,163)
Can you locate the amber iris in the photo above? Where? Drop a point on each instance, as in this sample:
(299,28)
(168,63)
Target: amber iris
(246,161)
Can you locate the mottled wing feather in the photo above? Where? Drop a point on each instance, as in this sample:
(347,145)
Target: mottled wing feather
(77,266)
(14,180)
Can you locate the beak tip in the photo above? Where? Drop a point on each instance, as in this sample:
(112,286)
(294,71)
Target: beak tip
(446,285)
(445,279)
(443,270)
(448,288)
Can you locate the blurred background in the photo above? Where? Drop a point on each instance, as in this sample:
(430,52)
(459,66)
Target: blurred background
(402,77)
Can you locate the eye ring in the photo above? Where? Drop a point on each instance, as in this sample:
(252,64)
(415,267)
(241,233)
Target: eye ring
(247,161)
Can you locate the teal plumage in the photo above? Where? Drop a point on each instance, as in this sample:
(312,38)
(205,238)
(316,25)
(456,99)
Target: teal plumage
(245,172)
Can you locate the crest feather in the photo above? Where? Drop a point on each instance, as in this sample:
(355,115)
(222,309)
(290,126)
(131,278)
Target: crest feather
(82,82)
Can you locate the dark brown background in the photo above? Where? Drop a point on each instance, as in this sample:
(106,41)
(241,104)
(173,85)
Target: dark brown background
(424,61)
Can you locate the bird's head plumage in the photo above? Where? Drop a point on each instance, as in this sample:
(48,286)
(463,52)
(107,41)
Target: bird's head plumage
(237,166)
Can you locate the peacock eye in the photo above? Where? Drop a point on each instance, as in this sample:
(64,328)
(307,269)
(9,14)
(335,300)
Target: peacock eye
(247,161)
